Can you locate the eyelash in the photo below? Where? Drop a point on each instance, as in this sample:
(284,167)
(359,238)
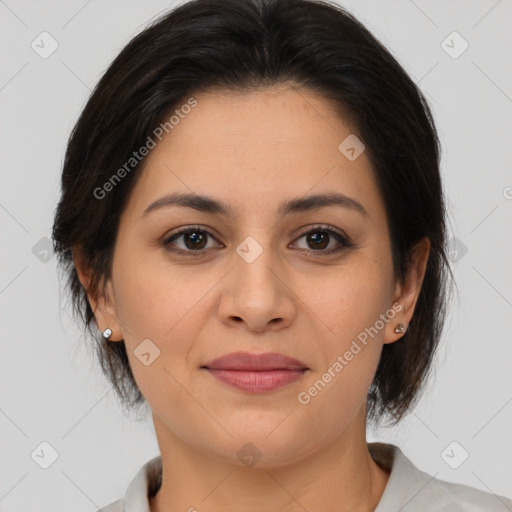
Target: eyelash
(342,238)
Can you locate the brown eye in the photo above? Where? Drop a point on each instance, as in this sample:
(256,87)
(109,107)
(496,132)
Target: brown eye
(318,241)
(189,240)
(194,240)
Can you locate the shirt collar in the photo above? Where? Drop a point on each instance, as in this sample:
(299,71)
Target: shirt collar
(388,456)
(136,496)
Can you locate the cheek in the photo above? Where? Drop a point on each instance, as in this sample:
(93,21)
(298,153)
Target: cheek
(348,300)
(154,298)
(348,305)
(350,351)
(166,305)
(165,310)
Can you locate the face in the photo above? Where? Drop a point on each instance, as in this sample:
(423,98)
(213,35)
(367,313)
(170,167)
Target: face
(267,271)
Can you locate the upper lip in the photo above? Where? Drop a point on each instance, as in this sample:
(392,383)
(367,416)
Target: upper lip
(255,362)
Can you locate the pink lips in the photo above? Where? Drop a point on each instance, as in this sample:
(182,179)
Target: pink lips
(257,373)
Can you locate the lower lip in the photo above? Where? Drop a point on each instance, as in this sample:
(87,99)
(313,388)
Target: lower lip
(257,382)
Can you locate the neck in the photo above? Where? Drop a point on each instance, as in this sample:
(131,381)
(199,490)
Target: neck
(341,477)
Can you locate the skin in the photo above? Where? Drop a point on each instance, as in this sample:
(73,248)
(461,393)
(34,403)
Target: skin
(254,151)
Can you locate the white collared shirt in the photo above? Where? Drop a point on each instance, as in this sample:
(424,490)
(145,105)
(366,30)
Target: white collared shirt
(408,488)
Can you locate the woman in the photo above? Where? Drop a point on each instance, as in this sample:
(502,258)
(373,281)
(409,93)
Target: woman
(253,226)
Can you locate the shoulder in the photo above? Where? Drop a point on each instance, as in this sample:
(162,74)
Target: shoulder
(410,489)
(144,484)
(116,506)
(452,497)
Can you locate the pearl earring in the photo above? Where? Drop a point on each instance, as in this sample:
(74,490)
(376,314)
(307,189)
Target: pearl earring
(107,333)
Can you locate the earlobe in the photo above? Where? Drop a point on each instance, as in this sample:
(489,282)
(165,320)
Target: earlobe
(406,293)
(106,320)
(100,300)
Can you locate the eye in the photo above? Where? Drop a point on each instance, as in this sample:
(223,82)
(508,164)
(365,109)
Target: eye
(318,240)
(193,239)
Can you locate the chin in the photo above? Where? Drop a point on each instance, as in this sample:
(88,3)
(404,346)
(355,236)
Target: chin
(262,448)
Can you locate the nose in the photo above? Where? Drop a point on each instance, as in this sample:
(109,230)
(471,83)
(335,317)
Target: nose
(258,295)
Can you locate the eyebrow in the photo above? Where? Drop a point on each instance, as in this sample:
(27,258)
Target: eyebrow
(299,205)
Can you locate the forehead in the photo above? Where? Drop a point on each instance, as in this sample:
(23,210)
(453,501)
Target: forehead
(266,123)
(256,148)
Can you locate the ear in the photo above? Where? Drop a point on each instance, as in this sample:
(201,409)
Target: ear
(406,293)
(101,300)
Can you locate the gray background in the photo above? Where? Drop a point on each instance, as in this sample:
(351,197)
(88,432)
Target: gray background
(50,389)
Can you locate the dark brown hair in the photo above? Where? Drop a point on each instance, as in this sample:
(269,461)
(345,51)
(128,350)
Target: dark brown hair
(238,46)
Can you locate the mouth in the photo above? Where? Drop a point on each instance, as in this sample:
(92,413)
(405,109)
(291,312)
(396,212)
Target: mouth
(257,381)
(256,373)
